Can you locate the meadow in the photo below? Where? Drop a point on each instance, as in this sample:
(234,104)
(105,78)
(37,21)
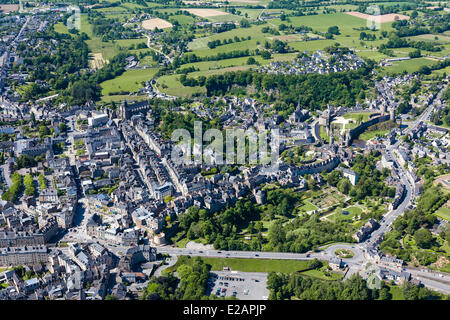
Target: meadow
(409,66)
(130,81)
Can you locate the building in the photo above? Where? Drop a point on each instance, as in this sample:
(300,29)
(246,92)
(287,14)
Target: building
(98,119)
(350,174)
(13,256)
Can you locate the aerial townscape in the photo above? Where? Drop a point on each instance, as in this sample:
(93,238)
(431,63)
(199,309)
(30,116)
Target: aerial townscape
(224,150)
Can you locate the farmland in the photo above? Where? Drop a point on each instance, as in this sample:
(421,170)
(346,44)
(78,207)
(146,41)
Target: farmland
(251,38)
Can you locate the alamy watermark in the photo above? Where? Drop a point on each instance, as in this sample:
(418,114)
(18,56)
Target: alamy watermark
(374,22)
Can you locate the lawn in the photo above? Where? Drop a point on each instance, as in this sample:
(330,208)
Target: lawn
(397,293)
(443,212)
(323,133)
(308,206)
(61,28)
(367,135)
(130,81)
(409,66)
(339,216)
(364,116)
(319,274)
(255,265)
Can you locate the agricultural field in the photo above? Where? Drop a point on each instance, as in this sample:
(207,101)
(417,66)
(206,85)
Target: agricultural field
(97,61)
(154,23)
(7,8)
(207,13)
(438,38)
(409,66)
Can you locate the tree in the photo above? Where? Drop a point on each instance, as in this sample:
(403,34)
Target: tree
(265,54)
(424,70)
(63,127)
(277,235)
(334,30)
(334,177)
(344,186)
(244,23)
(44,131)
(423,238)
(28,182)
(415,54)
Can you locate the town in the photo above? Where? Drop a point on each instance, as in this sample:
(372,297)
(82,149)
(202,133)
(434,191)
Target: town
(94,205)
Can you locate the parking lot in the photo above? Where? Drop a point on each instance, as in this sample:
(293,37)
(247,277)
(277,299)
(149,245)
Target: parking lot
(242,285)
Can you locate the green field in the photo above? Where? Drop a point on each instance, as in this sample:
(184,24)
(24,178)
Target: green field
(253,265)
(409,66)
(311,46)
(443,212)
(374,55)
(257,265)
(441,38)
(267,265)
(61,28)
(129,81)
